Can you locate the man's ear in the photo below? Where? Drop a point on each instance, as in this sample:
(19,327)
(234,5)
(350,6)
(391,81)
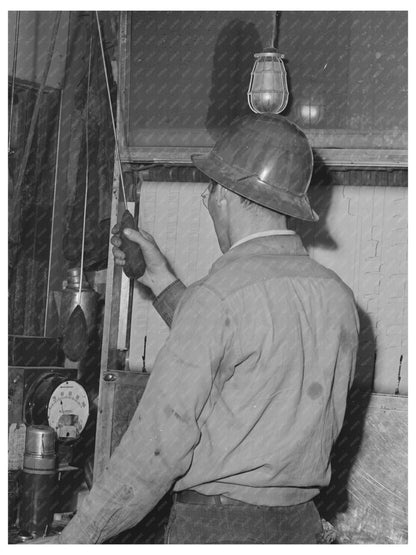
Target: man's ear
(221,195)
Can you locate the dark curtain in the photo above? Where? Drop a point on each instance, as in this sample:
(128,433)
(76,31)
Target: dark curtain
(29,258)
(97,163)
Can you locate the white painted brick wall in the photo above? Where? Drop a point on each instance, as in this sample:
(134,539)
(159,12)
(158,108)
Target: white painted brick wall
(362,236)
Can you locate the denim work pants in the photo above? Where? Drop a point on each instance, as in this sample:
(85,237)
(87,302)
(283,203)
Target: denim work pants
(243,524)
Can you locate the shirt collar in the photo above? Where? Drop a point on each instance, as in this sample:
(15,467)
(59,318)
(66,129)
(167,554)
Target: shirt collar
(283,245)
(263,234)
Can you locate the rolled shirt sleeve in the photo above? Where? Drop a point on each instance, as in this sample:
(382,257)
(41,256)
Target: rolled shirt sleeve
(158,445)
(167,301)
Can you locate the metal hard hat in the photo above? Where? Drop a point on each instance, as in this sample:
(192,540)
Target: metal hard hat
(266,159)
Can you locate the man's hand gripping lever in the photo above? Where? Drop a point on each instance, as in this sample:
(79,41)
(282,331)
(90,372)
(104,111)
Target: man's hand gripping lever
(134,262)
(156,272)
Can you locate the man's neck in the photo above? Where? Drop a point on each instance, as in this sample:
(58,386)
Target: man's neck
(247,227)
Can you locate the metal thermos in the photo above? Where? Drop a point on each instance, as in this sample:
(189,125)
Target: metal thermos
(71,298)
(39,481)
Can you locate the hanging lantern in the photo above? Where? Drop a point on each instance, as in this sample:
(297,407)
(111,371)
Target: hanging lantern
(268,92)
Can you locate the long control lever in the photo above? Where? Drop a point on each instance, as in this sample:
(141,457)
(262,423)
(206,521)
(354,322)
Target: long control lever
(135,265)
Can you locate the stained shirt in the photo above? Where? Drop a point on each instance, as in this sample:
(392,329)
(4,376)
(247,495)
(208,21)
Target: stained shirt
(246,397)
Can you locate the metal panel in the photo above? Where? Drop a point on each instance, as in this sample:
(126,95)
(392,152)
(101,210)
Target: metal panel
(129,388)
(375,506)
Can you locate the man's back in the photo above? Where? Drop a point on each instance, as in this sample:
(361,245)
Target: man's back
(279,393)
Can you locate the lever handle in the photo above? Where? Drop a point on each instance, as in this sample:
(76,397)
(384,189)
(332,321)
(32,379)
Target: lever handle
(135,265)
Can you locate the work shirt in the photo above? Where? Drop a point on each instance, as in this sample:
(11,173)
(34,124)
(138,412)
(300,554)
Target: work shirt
(246,397)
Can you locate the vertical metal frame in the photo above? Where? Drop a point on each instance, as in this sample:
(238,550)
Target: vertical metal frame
(113,282)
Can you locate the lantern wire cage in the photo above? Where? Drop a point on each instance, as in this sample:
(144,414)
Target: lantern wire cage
(268,91)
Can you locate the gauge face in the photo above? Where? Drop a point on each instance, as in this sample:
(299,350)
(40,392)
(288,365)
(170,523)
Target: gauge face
(68,410)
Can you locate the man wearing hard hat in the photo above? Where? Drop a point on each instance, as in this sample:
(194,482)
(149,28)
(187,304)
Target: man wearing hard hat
(248,394)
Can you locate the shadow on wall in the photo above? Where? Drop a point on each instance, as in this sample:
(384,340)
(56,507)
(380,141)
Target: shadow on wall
(317,234)
(233,59)
(334,498)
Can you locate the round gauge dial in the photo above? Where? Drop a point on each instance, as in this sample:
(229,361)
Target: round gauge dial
(68,410)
